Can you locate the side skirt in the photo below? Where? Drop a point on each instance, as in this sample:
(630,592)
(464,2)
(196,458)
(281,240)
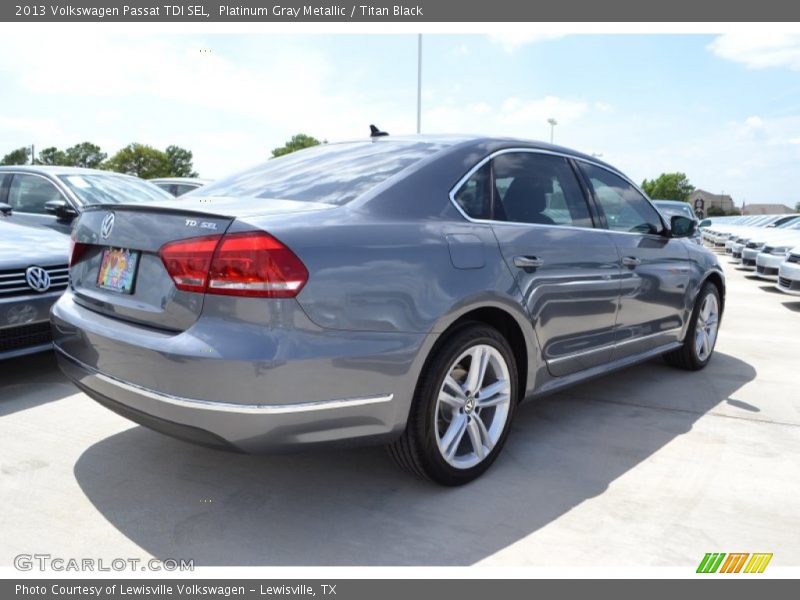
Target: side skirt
(557,384)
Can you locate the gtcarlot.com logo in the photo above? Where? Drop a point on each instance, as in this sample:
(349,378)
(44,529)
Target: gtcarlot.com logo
(48,562)
(735,562)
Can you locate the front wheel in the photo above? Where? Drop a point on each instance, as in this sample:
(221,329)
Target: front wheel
(462,408)
(701,337)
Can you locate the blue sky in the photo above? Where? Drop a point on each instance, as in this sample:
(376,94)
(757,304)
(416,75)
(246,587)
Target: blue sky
(724,109)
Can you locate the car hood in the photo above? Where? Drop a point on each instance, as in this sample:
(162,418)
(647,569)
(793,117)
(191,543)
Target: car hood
(26,245)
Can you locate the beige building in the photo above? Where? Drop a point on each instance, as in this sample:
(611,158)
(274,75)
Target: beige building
(766,209)
(702,200)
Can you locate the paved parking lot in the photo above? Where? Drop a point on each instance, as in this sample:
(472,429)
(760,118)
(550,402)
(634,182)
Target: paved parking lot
(648,467)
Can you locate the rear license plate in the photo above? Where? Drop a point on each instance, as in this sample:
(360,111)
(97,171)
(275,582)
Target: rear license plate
(118,270)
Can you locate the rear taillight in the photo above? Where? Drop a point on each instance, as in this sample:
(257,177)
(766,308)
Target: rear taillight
(235,264)
(76,249)
(188,261)
(255,264)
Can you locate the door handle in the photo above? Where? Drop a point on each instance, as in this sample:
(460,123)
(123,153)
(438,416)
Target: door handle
(630,261)
(528,262)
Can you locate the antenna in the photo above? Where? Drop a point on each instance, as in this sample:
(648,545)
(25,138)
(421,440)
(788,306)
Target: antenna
(374,132)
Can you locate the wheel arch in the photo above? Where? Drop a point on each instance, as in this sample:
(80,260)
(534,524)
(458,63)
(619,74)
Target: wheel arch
(512,324)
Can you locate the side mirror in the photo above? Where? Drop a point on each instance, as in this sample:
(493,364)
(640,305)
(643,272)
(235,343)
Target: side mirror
(682,226)
(61,209)
(704,223)
(5,209)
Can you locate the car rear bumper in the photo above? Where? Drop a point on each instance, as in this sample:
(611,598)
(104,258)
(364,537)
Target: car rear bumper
(295,387)
(238,427)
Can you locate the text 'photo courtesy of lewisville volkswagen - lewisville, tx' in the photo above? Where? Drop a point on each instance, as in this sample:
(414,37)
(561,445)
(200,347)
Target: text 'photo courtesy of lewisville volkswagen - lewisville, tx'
(451,299)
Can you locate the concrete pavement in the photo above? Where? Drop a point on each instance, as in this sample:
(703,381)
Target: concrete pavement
(646,467)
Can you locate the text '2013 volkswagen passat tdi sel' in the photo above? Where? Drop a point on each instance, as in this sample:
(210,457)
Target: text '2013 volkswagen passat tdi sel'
(411,291)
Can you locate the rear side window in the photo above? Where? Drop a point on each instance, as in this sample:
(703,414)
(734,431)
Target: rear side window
(525,187)
(30,193)
(625,208)
(538,188)
(331,174)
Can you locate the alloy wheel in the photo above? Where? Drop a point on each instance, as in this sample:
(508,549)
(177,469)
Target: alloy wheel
(707,325)
(472,406)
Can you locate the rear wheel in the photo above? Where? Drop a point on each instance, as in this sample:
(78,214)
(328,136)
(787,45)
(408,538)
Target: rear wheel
(462,408)
(698,346)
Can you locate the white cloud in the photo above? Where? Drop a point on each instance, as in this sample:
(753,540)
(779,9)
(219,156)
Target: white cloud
(459,50)
(34,128)
(511,41)
(758,50)
(514,116)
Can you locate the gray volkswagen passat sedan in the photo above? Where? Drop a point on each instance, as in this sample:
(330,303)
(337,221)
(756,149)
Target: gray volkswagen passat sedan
(403,290)
(52,197)
(33,274)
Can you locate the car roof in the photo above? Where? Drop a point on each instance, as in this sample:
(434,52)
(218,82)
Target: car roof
(494,143)
(179,180)
(57,170)
(671,202)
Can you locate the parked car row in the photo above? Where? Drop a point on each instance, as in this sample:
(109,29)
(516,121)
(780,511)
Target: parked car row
(768,245)
(38,206)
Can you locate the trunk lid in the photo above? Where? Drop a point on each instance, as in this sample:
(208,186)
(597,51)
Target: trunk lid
(154,300)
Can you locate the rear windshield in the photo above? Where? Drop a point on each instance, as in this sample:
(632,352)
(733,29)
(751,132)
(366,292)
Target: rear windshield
(331,174)
(99,188)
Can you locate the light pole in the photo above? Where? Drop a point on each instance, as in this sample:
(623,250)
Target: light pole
(553,124)
(419,83)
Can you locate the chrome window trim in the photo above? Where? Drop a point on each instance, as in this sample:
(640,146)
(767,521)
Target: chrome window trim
(460,183)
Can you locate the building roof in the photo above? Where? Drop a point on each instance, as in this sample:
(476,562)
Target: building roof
(766,209)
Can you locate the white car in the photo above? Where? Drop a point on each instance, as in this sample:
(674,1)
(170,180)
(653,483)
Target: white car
(789,273)
(740,234)
(717,235)
(747,248)
(769,260)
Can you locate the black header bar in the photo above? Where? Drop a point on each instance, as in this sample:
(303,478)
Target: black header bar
(238,11)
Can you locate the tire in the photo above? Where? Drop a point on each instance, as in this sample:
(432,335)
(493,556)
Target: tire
(439,442)
(689,356)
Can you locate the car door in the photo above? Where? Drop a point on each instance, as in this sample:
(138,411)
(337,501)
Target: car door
(28,194)
(655,266)
(566,269)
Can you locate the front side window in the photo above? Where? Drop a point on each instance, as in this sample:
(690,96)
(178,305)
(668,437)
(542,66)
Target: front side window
(30,193)
(625,208)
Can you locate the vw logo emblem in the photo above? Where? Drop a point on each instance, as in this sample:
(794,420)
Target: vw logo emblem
(107,226)
(37,279)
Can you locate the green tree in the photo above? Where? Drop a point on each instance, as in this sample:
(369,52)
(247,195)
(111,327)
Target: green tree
(51,156)
(797,207)
(180,162)
(298,142)
(140,160)
(84,154)
(669,186)
(16,157)
(715,211)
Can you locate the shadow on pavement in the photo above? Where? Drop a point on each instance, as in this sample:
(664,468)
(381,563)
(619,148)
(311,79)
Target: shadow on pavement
(31,380)
(354,507)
